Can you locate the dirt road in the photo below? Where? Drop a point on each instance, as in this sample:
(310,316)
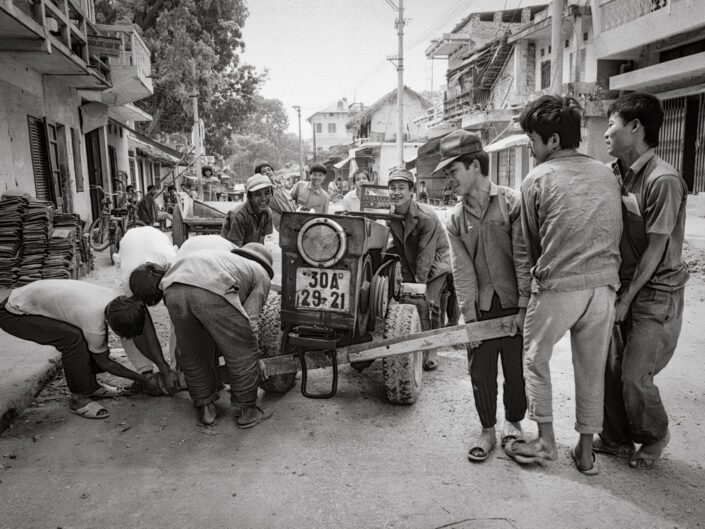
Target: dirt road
(351,462)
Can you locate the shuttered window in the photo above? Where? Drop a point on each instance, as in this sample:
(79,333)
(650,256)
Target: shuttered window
(670,145)
(40,162)
(699,170)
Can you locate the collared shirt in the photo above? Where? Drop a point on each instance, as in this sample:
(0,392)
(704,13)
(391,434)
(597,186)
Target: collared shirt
(309,198)
(654,201)
(489,253)
(422,244)
(74,302)
(147,210)
(243,282)
(572,221)
(351,202)
(243,224)
(281,202)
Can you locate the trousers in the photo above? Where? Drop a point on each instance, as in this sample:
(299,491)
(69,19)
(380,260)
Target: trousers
(482,364)
(205,324)
(589,316)
(79,369)
(641,347)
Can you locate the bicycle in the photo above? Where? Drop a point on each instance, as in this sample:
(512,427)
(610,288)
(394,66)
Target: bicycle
(109,227)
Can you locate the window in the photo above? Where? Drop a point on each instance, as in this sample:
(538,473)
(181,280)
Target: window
(331,128)
(319,127)
(40,160)
(545,74)
(567,43)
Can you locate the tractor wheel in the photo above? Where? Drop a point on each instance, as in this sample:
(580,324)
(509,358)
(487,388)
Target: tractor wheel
(270,341)
(402,373)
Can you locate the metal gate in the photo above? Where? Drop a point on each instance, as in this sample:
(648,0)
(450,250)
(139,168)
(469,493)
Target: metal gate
(670,145)
(699,170)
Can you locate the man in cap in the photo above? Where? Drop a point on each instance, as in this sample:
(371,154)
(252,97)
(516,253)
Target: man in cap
(214,299)
(251,220)
(492,279)
(422,245)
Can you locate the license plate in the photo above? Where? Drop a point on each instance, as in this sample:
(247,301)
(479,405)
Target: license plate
(323,289)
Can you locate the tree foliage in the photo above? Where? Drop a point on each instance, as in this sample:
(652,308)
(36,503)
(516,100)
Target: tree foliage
(247,150)
(184,33)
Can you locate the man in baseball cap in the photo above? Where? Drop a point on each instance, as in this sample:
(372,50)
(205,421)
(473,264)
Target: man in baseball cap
(422,245)
(251,220)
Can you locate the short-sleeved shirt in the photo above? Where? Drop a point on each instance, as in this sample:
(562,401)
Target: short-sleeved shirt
(243,282)
(243,224)
(351,202)
(653,201)
(74,302)
(309,198)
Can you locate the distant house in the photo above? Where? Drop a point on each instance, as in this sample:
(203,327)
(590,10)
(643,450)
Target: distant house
(374,131)
(328,125)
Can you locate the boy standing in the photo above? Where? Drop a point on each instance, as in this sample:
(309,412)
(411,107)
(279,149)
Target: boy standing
(572,222)
(310,195)
(653,275)
(492,277)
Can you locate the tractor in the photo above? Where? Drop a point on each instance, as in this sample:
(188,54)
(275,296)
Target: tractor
(342,300)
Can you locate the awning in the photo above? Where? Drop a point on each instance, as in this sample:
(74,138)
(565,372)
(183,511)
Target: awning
(342,163)
(514,140)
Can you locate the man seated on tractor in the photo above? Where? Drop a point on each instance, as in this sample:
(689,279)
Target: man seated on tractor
(214,300)
(281,201)
(251,220)
(422,244)
(310,195)
(351,201)
(71,316)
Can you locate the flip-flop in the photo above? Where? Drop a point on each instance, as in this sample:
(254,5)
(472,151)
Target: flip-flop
(623,451)
(430,361)
(482,450)
(92,410)
(646,461)
(263,416)
(522,459)
(106,391)
(507,438)
(592,471)
(206,416)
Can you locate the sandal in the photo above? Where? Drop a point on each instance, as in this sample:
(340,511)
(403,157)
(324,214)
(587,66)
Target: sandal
(592,471)
(523,459)
(621,450)
(208,414)
(430,361)
(263,415)
(92,410)
(106,391)
(481,449)
(648,455)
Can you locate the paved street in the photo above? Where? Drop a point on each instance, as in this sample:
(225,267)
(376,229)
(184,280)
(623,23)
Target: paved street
(351,462)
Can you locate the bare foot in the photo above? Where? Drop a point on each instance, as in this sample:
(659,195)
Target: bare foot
(537,448)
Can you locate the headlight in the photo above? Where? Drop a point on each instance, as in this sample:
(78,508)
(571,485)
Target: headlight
(322,242)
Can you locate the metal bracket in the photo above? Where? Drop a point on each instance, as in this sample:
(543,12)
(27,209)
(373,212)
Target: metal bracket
(304,376)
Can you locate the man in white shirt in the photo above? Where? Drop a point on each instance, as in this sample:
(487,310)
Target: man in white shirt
(214,300)
(71,316)
(351,200)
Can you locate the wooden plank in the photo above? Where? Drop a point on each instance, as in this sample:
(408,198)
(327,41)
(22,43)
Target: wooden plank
(423,341)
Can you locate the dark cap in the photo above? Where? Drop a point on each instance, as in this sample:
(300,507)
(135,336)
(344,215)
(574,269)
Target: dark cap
(457,144)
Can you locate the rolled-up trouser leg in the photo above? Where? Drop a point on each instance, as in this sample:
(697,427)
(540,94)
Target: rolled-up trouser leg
(590,339)
(187,306)
(549,316)
(656,319)
(67,339)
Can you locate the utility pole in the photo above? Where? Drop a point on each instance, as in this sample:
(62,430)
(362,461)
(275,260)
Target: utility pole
(313,127)
(400,86)
(196,132)
(302,175)
(557,45)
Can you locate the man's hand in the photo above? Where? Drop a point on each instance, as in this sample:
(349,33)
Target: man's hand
(622,309)
(170,381)
(477,343)
(262,368)
(518,324)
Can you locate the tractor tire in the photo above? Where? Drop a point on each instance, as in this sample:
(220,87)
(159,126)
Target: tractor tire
(402,373)
(270,341)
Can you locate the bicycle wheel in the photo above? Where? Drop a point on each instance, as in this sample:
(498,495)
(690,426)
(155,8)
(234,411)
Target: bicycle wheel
(115,243)
(100,233)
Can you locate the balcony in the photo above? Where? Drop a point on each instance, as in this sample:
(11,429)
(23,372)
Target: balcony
(616,13)
(129,60)
(447,44)
(51,37)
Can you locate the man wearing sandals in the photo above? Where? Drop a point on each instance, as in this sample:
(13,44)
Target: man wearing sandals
(71,316)
(653,274)
(572,222)
(492,280)
(214,300)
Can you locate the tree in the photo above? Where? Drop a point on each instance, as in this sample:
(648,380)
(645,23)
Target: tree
(184,33)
